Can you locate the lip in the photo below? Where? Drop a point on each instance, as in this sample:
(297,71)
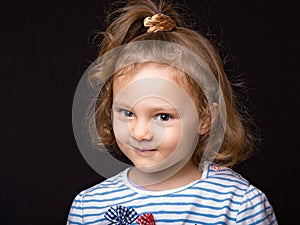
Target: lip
(144,151)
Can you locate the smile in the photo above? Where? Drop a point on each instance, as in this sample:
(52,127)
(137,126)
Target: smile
(143,151)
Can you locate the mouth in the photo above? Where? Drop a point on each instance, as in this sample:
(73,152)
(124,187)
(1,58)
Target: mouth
(143,151)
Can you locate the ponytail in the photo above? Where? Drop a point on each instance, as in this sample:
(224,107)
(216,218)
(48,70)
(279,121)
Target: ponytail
(128,24)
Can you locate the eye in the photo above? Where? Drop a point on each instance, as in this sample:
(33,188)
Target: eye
(126,113)
(164,117)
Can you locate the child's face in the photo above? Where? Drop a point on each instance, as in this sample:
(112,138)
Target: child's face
(154,120)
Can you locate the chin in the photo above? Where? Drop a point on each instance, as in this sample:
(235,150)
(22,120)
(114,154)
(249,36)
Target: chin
(156,167)
(148,169)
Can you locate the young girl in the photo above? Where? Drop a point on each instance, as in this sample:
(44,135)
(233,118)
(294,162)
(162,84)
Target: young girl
(166,105)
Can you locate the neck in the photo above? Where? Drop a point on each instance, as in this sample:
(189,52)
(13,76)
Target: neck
(166,179)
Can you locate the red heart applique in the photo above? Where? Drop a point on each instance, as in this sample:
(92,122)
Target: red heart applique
(146,219)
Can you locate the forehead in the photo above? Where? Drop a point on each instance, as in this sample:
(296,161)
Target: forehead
(149,70)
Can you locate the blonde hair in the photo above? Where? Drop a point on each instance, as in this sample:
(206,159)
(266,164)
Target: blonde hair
(127,27)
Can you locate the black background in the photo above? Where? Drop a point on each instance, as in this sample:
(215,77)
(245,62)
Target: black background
(48,46)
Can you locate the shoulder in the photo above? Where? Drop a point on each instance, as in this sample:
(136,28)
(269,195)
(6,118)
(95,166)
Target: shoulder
(224,176)
(105,187)
(223,185)
(252,205)
(92,200)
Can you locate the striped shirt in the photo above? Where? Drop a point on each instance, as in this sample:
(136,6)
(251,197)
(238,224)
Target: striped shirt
(221,196)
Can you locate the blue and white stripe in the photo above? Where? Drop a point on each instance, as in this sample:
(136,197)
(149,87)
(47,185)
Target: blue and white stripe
(221,196)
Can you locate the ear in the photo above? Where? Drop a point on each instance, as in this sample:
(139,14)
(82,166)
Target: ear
(208,118)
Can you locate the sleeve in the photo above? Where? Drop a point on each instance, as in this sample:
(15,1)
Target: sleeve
(255,209)
(76,212)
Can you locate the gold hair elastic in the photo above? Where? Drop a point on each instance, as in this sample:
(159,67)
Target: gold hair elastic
(159,22)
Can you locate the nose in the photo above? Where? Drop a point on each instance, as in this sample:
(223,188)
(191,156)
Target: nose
(140,130)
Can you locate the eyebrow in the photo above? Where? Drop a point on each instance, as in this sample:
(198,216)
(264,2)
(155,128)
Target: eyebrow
(164,108)
(121,104)
(160,107)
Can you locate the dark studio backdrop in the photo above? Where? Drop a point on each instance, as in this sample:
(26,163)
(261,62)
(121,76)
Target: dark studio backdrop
(48,46)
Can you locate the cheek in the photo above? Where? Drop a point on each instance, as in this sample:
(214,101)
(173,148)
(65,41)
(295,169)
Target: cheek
(171,139)
(121,130)
(124,149)
(121,146)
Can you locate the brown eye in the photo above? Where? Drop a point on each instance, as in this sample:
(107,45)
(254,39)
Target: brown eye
(163,117)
